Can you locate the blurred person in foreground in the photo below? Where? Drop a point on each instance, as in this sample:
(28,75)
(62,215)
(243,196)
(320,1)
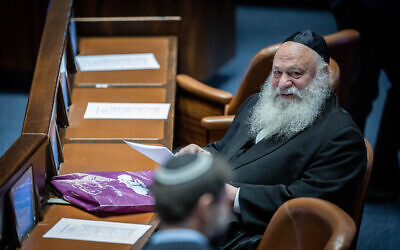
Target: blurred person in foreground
(290,140)
(191,201)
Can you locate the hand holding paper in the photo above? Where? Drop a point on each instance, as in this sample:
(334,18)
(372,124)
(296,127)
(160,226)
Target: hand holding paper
(158,154)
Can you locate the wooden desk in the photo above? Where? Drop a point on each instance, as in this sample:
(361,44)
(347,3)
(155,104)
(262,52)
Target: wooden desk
(125,45)
(80,128)
(206,34)
(56,212)
(89,145)
(93,157)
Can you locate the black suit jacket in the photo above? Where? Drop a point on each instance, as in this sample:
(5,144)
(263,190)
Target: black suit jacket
(326,160)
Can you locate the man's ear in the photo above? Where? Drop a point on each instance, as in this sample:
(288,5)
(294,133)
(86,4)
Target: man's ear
(326,68)
(204,209)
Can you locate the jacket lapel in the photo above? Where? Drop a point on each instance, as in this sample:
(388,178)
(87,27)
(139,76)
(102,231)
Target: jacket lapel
(237,143)
(262,148)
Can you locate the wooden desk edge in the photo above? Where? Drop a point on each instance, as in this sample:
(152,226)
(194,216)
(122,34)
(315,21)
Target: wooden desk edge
(155,223)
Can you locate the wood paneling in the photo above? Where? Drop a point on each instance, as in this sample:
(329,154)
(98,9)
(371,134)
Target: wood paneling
(83,145)
(206,35)
(39,110)
(124,45)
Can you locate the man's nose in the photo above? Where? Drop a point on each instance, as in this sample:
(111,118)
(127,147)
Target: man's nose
(285,82)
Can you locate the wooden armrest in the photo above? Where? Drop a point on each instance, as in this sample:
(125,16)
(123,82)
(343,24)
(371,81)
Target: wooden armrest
(200,89)
(217,122)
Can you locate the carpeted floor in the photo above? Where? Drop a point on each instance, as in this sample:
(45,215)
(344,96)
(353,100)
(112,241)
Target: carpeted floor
(258,27)
(12,112)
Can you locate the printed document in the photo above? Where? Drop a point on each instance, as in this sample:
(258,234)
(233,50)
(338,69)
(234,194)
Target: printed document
(117,62)
(158,154)
(104,110)
(101,231)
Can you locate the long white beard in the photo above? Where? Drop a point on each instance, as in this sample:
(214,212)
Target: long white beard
(275,117)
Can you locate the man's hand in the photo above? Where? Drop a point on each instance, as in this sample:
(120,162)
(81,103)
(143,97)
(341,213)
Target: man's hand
(231,192)
(191,149)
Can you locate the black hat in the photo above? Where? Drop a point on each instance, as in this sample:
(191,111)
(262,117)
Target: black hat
(311,40)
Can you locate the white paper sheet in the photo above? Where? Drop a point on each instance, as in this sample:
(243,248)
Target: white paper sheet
(117,62)
(103,110)
(101,231)
(158,154)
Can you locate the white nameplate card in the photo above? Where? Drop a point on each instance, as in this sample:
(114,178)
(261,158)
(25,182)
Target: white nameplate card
(158,154)
(100,231)
(117,62)
(104,110)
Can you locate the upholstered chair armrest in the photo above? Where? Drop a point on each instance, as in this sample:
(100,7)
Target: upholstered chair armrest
(217,122)
(216,126)
(200,89)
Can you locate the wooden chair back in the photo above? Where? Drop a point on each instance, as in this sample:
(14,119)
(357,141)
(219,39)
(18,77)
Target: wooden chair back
(257,72)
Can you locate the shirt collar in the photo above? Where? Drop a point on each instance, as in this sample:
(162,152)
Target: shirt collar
(181,235)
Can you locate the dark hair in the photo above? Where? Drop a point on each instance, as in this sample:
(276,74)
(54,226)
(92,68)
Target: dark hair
(175,203)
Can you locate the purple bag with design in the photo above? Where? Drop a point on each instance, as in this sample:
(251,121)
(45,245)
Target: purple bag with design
(118,192)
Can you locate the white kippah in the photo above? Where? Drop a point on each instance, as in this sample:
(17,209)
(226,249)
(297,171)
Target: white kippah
(200,165)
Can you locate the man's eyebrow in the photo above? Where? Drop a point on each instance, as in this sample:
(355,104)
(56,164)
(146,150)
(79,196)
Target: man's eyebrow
(293,67)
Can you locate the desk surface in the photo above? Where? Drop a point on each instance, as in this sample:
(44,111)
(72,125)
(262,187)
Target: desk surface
(56,212)
(93,157)
(92,153)
(80,128)
(159,46)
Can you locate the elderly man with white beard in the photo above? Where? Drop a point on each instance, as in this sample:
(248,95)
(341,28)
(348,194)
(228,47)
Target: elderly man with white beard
(290,140)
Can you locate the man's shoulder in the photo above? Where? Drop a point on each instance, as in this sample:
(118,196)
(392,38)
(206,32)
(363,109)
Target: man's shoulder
(249,103)
(340,117)
(177,238)
(179,245)
(254,97)
(336,120)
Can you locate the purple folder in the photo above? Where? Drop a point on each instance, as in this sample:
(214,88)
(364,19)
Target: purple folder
(107,193)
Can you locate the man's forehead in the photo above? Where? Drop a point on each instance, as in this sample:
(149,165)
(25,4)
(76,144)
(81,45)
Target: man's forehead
(290,67)
(293,49)
(295,53)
